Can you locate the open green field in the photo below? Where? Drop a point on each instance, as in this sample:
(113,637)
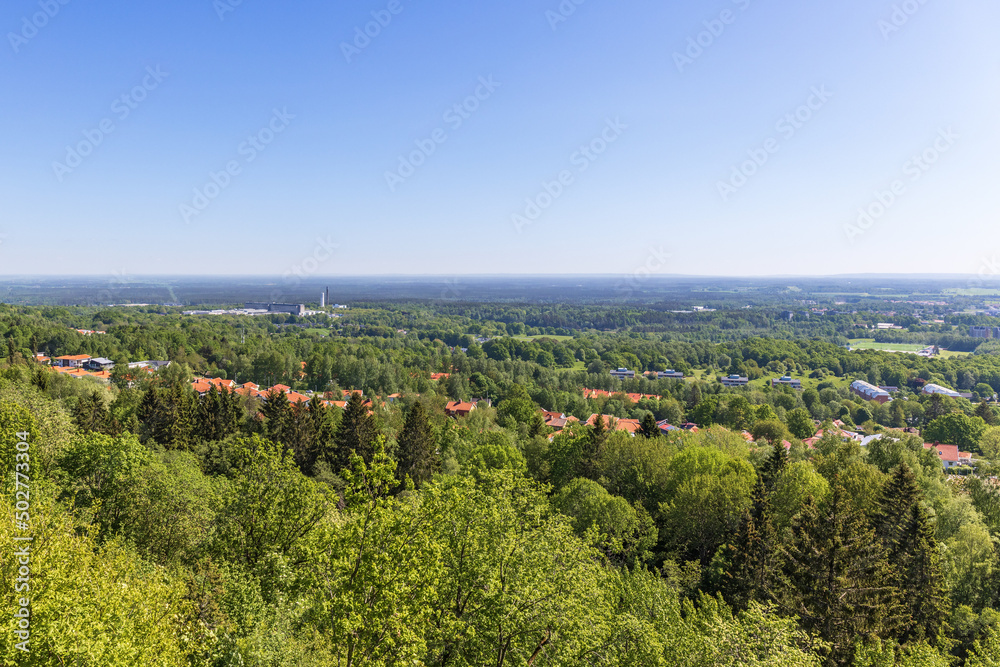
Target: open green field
(531,338)
(972,291)
(318,332)
(869,344)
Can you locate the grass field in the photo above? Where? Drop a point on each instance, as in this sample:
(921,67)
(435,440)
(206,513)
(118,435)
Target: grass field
(531,338)
(869,344)
(318,332)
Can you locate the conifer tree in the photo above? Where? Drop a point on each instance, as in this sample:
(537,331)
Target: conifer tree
(695,396)
(277,413)
(749,562)
(417,447)
(838,579)
(180,417)
(905,528)
(314,428)
(649,428)
(356,433)
(90,413)
(774,466)
(984,411)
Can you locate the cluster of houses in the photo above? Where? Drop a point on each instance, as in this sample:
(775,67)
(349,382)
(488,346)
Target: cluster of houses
(626,374)
(86,366)
(603,393)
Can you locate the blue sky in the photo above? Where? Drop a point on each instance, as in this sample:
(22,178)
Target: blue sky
(599,137)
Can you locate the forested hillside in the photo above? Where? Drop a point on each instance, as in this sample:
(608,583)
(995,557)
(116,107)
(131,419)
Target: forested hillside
(174,527)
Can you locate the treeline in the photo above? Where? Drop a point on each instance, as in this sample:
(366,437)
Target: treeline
(182,530)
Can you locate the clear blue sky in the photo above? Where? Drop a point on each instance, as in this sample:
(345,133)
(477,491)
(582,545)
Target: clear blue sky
(676,120)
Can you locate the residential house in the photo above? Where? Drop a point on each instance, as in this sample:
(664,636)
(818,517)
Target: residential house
(623,374)
(99,364)
(204,385)
(950,456)
(557,420)
(71,360)
(459,409)
(630,426)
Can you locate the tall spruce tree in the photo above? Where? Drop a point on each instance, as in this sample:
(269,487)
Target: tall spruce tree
(905,529)
(986,413)
(277,413)
(838,579)
(416,448)
(648,427)
(90,413)
(749,563)
(356,433)
(773,466)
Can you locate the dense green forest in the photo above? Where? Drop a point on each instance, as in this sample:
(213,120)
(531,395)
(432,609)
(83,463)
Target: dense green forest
(170,528)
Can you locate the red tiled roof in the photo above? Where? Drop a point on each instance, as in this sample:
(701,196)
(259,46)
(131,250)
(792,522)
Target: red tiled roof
(945,452)
(459,408)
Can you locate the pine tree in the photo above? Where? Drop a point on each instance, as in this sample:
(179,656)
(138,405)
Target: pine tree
(839,582)
(695,396)
(935,408)
(180,417)
(774,466)
(209,412)
(356,433)
(90,413)
(323,430)
(417,447)
(984,411)
(301,436)
(277,413)
(649,428)
(749,562)
(598,429)
(905,528)
(152,417)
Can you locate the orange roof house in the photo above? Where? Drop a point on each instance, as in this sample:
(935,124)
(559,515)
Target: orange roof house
(631,426)
(459,409)
(71,360)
